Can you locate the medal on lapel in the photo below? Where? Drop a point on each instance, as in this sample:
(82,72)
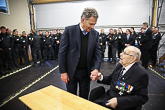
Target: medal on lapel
(123,87)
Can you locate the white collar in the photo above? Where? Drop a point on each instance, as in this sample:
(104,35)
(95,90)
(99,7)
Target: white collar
(155,34)
(82,29)
(128,67)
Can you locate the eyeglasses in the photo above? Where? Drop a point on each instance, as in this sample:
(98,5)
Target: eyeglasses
(126,53)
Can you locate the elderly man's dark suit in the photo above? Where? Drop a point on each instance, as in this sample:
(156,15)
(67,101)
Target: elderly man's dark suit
(70,53)
(137,77)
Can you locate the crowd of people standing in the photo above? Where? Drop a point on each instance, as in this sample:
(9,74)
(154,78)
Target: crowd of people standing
(147,40)
(14,48)
(17,50)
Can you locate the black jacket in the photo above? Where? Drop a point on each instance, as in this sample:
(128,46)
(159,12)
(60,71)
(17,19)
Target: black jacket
(6,41)
(155,41)
(137,77)
(70,47)
(102,38)
(17,41)
(24,41)
(121,40)
(146,39)
(130,41)
(48,41)
(36,41)
(114,41)
(57,38)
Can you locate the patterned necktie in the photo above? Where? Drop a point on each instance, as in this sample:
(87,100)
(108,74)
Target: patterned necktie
(121,73)
(84,32)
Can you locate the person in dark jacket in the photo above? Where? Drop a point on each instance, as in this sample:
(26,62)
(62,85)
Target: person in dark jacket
(156,37)
(120,41)
(57,42)
(128,38)
(36,48)
(53,44)
(48,42)
(17,48)
(80,54)
(114,44)
(133,33)
(6,45)
(42,45)
(1,39)
(146,44)
(109,37)
(102,40)
(24,42)
(128,83)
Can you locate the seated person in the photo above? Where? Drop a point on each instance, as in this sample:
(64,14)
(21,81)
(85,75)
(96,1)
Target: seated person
(128,83)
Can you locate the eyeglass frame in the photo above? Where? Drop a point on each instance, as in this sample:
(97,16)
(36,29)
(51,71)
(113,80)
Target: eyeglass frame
(126,53)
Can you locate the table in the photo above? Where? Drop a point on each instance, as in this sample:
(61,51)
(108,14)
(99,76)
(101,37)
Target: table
(53,98)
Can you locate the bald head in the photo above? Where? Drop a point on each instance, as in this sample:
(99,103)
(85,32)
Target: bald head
(130,55)
(134,51)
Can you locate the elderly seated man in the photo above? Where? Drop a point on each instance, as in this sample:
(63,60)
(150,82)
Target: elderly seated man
(128,83)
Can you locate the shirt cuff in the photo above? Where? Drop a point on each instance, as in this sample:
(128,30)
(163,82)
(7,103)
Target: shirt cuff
(101,78)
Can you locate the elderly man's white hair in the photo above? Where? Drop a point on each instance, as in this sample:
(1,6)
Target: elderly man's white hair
(134,51)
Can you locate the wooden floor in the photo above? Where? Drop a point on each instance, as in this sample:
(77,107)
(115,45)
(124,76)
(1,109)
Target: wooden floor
(34,78)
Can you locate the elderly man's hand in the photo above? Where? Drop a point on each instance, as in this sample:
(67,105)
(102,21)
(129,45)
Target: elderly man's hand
(112,102)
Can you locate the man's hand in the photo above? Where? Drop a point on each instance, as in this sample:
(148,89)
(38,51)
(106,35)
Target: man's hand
(65,77)
(94,75)
(101,43)
(58,42)
(1,49)
(112,102)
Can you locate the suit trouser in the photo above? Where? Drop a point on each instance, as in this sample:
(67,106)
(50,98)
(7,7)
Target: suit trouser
(109,51)
(153,53)
(36,52)
(25,55)
(80,77)
(18,54)
(56,51)
(120,49)
(103,47)
(114,49)
(7,58)
(48,53)
(1,61)
(145,57)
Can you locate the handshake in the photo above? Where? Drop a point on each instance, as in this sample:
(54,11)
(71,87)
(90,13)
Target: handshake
(95,75)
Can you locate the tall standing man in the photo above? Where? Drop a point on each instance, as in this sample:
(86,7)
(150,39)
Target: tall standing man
(146,45)
(80,54)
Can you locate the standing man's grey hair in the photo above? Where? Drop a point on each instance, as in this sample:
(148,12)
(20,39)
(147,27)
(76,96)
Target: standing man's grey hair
(89,12)
(145,23)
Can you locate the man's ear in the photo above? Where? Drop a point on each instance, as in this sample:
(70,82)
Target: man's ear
(82,20)
(133,59)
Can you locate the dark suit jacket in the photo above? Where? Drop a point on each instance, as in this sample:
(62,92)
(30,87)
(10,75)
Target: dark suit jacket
(69,52)
(130,41)
(146,39)
(155,41)
(137,77)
